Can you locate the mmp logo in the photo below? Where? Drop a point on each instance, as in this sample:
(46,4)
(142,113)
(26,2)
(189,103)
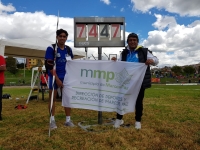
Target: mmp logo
(122,77)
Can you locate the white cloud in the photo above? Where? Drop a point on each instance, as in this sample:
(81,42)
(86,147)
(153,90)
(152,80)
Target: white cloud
(182,7)
(38,24)
(107,2)
(182,41)
(33,25)
(8,8)
(164,21)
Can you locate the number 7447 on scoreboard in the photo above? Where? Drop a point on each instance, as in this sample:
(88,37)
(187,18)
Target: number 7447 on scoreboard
(104,30)
(99,32)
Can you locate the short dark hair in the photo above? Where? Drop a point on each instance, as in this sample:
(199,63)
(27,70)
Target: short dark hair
(60,31)
(133,35)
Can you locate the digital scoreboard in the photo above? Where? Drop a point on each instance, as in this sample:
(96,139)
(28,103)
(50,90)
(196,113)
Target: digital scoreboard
(99,32)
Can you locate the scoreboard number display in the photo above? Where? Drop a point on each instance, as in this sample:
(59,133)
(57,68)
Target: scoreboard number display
(104,32)
(116,31)
(92,32)
(81,32)
(99,32)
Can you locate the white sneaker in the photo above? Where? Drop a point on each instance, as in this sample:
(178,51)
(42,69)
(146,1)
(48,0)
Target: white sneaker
(69,124)
(53,125)
(137,125)
(118,123)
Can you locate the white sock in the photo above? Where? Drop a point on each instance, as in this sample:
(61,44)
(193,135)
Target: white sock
(53,118)
(67,118)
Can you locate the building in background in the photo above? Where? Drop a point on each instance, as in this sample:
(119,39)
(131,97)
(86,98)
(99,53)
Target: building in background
(30,63)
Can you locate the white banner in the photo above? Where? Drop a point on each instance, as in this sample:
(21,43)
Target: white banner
(102,85)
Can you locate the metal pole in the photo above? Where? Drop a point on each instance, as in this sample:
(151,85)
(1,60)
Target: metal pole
(106,56)
(99,112)
(99,53)
(24,68)
(93,57)
(86,49)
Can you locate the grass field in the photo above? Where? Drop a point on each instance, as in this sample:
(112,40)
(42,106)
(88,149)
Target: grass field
(171,121)
(19,76)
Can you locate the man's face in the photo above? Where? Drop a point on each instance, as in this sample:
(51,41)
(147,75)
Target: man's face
(132,42)
(61,38)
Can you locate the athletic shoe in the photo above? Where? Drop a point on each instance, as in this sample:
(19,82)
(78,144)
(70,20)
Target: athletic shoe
(118,123)
(137,125)
(53,125)
(69,124)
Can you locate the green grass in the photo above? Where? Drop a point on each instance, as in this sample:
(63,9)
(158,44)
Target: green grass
(171,121)
(18,76)
(173,80)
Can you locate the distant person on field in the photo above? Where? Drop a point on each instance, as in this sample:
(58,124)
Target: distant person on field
(44,80)
(2,80)
(63,53)
(23,81)
(135,53)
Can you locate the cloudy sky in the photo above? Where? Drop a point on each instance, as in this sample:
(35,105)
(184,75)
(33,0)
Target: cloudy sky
(170,28)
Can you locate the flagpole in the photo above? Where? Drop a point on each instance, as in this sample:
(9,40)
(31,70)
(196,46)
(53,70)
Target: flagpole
(54,70)
(100,121)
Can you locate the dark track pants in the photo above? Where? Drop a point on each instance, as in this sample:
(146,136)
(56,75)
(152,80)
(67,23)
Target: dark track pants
(138,106)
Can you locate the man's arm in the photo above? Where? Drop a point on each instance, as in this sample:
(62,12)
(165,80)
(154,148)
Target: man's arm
(151,59)
(2,64)
(3,68)
(115,59)
(49,56)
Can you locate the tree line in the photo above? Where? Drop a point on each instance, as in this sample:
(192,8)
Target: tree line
(12,65)
(186,70)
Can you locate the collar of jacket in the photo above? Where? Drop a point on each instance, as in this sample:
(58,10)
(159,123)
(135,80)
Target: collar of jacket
(138,47)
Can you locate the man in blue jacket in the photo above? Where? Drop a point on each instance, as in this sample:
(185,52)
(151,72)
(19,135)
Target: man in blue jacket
(135,53)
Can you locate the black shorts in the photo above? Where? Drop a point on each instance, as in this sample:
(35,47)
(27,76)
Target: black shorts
(43,84)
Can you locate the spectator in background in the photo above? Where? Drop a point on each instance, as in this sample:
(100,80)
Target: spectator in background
(23,81)
(2,80)
(44,79)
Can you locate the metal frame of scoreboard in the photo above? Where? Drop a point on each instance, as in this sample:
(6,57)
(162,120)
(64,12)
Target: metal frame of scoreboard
(99,32)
